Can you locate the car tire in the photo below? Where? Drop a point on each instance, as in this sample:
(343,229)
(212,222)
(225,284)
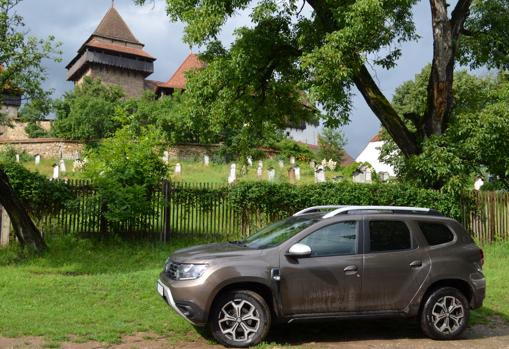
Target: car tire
(240,319)
(445,314)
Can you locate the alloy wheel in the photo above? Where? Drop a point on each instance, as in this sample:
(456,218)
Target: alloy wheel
(239,320)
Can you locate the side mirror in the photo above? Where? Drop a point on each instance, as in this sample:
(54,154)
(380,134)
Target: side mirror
(299,250)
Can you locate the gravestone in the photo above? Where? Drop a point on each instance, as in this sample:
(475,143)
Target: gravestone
(259,172)
(17,157)
(62,166)
(312,164)
(250,161)
(77,165)
(37,159)
(297,173)
(206,160)
(166,157)
(260,163)
(178,169)
(292,160)
(56,171)
(291,174)
(281,163)
(368,175)
(320,174)
(233,174)
(271,174)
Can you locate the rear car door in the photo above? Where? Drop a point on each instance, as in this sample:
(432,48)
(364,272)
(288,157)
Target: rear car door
(329,280)
(394,266)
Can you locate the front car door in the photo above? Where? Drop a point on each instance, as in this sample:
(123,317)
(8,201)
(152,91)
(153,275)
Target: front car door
(394,267)
(329,280)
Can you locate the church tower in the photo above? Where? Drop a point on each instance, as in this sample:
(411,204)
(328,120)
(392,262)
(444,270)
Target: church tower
(113,55)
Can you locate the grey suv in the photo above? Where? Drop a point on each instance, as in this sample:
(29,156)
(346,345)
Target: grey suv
(331,262)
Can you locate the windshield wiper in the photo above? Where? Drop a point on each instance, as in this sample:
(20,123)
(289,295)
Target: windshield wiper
(238,243)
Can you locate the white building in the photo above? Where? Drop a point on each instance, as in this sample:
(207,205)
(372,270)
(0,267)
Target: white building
(371,155)
(308,135)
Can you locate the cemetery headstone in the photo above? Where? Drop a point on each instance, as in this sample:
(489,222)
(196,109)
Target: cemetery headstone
(56,171)
(259,172)
(281,163)
(37,159)
(320,174)
(178,169)
(206,160)
(233,174)
(292,160)
(62,166)
(297,173)
(271,174)
(250,161)
(166,157)
(260,163)
(17,157)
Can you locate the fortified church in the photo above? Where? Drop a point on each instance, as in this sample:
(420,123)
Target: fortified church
(115,56)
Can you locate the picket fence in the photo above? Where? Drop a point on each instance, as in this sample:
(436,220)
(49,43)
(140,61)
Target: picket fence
(188,209)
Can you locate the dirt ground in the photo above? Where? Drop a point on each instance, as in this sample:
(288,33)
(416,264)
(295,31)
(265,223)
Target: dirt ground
(343,334)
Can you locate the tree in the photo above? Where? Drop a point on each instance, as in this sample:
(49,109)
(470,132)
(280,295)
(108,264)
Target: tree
(331,143)
(327,50)
(87,113)
(475,141)
(21,59)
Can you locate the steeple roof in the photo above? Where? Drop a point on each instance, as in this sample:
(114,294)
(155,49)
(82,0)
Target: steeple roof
(114,27)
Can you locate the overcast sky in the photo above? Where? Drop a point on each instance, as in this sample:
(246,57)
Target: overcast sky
(72,22)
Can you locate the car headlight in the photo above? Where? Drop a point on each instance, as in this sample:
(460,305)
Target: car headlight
(189,271)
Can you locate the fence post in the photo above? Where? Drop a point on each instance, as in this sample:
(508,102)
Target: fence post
(5,227)
(166,211)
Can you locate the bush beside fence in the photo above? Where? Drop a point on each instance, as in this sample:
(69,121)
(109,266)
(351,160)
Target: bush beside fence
(220,212)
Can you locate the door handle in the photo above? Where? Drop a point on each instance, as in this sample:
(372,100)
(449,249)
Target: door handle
(350,270)
(416,264)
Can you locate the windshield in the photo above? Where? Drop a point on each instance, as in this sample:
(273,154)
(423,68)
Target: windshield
(276,233)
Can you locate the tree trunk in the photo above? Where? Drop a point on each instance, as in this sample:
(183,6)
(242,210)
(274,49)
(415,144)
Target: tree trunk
(24,228)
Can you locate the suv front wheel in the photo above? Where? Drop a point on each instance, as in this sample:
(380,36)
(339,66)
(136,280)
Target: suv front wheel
(240,319)
(445,314)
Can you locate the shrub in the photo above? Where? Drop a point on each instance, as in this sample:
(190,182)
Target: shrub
(288,148)
(286,199)
(40,195)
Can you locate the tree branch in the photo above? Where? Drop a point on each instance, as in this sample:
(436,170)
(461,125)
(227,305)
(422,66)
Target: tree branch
(383,109)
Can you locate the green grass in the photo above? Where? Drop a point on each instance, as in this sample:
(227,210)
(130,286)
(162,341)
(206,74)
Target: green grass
(496,270)
(87,291)
(83,290)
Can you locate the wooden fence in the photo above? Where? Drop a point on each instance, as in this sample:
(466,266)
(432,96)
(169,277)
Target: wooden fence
(203,210)
(488,217)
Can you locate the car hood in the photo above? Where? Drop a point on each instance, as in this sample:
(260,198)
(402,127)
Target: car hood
(210,252)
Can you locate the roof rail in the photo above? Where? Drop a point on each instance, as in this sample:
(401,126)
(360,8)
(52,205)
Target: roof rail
(400,209)
(318,209)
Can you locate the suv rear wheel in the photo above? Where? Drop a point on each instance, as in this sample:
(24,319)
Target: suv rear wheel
(240,319)
(445,314)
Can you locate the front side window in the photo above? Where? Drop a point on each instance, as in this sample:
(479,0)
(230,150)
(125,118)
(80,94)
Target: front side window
(333,240)
(389,236)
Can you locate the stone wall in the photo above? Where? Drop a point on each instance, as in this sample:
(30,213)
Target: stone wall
(17,131)
(191,151)
(48,148)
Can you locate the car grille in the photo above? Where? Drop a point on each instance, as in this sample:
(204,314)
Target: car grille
(171,270)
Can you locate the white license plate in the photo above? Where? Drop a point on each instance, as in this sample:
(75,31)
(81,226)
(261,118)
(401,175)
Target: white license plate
(160,289)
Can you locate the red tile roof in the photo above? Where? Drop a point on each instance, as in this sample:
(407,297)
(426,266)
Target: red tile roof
(178,79)
(376,138)
(118,48)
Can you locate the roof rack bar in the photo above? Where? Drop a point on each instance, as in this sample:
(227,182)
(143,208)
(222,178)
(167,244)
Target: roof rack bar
(318,208)
(346,209)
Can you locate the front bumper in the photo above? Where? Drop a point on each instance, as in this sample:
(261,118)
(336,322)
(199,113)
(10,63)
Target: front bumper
(165,292)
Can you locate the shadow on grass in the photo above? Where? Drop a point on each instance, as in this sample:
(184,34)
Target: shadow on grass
(380,329)
(71,256)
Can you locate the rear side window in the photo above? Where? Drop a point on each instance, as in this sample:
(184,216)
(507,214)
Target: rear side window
(389,236)
(436,233)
